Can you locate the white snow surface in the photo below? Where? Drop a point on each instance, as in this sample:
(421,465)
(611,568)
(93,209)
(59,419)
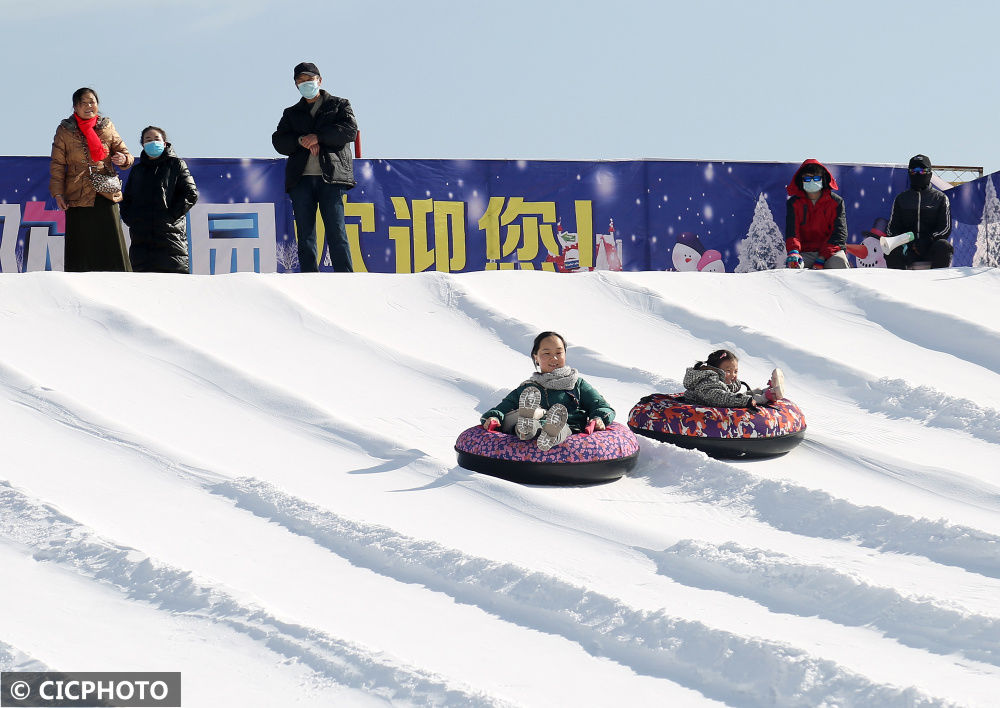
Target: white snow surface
(251,480)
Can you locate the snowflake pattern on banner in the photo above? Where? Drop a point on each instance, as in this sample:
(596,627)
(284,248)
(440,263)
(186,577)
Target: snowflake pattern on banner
(764,245)
(988,234)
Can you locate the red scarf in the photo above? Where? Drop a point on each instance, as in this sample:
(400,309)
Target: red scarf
(97,150)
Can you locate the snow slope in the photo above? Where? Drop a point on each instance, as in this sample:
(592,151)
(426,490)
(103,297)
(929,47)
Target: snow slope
(251,480)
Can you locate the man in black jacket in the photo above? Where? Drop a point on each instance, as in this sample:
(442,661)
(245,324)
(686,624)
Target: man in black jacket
(926,212)
(316,135)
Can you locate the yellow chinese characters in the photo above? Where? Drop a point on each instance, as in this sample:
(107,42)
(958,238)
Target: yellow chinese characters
(522,226)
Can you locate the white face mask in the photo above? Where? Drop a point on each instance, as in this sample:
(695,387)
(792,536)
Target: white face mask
(812,187)
(309,89)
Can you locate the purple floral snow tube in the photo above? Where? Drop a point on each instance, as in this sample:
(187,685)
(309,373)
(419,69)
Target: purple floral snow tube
(773,429)
(601,456)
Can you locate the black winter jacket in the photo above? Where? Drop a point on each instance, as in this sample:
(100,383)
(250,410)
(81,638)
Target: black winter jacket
(336,128)
(925,212)
(155,200)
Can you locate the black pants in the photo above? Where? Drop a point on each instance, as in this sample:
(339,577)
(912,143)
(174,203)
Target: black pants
(939,254)
(94,238)
(309,193)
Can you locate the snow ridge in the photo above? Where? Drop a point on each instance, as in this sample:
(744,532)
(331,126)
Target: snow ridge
(307,425)
(650,643)
(811,512)
(950,333)
(13,659)
(229,381)
(518,336)
(54,538)
(784,585)
(891,397)
(894,397)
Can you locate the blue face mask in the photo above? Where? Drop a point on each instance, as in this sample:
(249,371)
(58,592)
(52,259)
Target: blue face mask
(154,148)
(309,89)
(812,187)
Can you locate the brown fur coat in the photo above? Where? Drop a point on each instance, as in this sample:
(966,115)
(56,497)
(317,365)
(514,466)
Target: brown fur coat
(69,169)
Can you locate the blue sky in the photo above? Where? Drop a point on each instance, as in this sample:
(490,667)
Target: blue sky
(869,82)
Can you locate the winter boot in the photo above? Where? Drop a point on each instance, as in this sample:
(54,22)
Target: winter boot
(775,390)
(527,428)
(776,386)
(529,415)
(554,431)
(527,404)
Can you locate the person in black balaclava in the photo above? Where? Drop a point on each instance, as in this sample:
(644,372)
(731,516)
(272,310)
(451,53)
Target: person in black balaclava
(926,212)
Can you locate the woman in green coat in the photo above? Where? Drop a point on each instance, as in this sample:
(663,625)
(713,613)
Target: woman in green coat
(554,403)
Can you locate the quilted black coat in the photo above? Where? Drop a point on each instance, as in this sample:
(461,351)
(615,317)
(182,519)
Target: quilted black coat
(158,195)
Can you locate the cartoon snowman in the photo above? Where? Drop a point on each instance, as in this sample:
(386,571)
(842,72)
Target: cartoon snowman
(687,252)
(870,253)
(711,262)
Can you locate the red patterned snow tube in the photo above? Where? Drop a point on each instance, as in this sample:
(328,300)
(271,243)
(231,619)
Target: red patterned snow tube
(768,430)
(601,456)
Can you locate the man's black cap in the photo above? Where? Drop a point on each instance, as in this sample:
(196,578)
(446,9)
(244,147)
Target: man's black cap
(305,67)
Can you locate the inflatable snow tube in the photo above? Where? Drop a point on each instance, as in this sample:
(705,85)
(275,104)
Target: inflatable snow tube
(769,430)
(601,456)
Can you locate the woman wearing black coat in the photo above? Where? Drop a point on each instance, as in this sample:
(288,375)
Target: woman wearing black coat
(158,194)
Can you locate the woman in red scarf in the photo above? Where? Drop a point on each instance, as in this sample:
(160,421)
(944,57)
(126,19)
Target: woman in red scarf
(86,144)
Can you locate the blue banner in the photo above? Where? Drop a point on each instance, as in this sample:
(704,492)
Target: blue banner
(408,216)
(975,218)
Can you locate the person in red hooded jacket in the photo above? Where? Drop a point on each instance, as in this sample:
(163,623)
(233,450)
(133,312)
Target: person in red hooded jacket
(815,220)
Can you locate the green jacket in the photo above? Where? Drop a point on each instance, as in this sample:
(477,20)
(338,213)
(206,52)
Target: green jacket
(583,403)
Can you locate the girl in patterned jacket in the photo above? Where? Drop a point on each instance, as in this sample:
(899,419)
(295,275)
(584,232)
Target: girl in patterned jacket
(715,382)
(553,403)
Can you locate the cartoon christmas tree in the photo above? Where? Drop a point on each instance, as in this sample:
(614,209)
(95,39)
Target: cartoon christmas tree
(764,245)
(988,236)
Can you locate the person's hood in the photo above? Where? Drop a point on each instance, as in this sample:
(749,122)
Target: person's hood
(693,377)
(794,189)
